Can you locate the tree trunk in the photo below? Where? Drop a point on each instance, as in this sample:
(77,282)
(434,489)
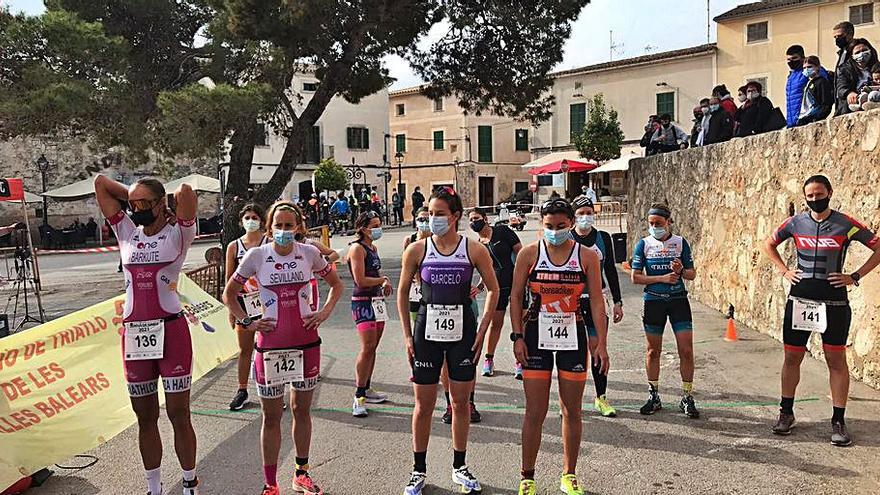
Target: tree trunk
(241,158)
(294,154)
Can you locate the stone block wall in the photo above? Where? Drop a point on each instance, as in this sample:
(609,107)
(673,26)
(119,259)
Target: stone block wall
(728,198)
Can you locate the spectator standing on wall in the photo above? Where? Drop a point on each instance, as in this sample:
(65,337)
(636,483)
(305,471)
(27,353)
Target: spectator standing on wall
(844,33)
(818,95)
(698,125)
(855,74)
(870,97)
(699,134)
(720,124)
(669,137)
(742,98)
(754,115)
(650,128)
(726,100)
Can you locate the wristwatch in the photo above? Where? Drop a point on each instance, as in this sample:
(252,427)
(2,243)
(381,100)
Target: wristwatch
(856,277)
(514,336)
(245,322)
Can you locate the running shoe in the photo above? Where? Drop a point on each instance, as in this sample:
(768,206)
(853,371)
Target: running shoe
(568,485)
(270,490)
(191,487)
(688,407)
(375,397)
(604,407)
(653,405)
(839,436)
(447,416)
(239,401)
(306,485)
(488,367)
(517,371)
(528,487)
(359,408)
(476,417)
(416,484)
(784,424)
(467,482)
(161,492)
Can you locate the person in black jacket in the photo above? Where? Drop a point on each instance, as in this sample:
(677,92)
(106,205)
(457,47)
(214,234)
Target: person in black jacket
(818,95)
(720,124)
(755,114)
(854,74)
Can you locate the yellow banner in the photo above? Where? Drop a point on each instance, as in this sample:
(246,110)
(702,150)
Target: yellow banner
(62,387)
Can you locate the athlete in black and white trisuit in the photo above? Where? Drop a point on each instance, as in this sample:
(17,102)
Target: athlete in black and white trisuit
(600,242)
(818,299)
(252,221)
(445,331)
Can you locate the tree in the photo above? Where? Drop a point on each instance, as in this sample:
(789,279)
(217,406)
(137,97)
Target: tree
(330,176)
(494,56)
(601,138)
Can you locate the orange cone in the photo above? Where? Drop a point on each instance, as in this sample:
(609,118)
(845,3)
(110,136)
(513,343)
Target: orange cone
(730,334)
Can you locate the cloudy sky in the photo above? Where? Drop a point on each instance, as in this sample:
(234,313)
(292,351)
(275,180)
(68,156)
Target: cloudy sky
(638,27)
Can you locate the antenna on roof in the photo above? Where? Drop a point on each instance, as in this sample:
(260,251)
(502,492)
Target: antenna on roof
(708,23)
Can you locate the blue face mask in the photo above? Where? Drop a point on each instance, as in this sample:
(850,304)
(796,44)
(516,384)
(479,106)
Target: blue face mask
(423,225)
(657,232)
(557,237)
(376,233)
(439,225)
(283,237)
(714,108)
(808,72)
(585,221)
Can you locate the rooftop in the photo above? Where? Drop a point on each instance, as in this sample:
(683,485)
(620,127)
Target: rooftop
(750,9)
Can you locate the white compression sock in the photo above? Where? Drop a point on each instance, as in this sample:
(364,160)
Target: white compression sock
(189,475)
(154,480)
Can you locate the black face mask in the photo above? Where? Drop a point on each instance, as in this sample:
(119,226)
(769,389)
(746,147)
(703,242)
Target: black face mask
(143,217)
(478,225)
(795,64)
(819,205)
(841,42)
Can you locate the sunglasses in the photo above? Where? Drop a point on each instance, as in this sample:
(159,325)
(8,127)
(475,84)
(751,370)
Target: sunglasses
(555,204)
(142,204)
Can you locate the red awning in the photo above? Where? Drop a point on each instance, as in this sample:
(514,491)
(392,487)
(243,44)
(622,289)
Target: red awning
(561,166)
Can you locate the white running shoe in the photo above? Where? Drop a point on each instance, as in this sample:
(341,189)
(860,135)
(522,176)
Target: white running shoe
(416,484)
(375,397)
(191,487)
(359,408)
(466,481)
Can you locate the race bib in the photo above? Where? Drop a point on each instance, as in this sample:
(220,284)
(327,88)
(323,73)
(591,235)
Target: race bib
(380,310)
(557,331)
(283,366)
(144,340)
(444,323)
(252,304)
(809,316)
(415,292)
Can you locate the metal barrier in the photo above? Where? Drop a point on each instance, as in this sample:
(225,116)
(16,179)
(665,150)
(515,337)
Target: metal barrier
(209,278)
(610,214)
(322,233)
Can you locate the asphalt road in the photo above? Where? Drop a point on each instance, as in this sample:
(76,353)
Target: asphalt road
(728,451)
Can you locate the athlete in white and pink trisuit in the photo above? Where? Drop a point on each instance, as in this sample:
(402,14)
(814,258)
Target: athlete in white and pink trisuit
(153,245)
(288,345)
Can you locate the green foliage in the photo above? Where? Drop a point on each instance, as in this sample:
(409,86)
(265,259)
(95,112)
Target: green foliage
(602,137)
(330,176)
(194,121)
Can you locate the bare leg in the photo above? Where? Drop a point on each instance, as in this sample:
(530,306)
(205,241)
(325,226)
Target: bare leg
(270,435)
(460,393)
(537,391)
(652,356)
(571,393)
(301,407)
(366,358)
(245,352)
(149,441)
(838,377)
(685,343)
(495,328)
(426,398)
(177,407)
(791,372)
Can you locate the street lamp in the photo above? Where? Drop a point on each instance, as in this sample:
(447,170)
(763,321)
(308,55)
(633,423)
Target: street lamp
(398,157)
(43,166)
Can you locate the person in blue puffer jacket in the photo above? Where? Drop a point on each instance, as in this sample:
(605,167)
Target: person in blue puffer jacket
(796,83)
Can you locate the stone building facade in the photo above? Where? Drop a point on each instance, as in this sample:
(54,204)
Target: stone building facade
(728,198)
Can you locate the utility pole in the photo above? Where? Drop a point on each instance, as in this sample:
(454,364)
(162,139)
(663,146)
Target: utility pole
(708,23)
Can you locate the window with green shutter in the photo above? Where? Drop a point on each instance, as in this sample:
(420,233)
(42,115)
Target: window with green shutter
(358,138)
(578,116)
(400,143)
(522,140)
(484,143)
(666,104)
(438,140)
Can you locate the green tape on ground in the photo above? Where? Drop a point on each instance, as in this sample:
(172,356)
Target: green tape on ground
(407,408)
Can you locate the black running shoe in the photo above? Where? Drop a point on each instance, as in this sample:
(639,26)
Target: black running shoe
(447,416)
(653,405)
(239,401)
(688,407)
(783,424)
(839,436)
(476,417)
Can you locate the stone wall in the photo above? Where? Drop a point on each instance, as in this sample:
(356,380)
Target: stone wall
(727,199)
(71,160)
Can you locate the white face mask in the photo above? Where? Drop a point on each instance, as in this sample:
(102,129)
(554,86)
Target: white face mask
(250,225)
(585,221)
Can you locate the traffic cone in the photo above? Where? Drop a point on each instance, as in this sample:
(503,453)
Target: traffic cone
(730,334)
